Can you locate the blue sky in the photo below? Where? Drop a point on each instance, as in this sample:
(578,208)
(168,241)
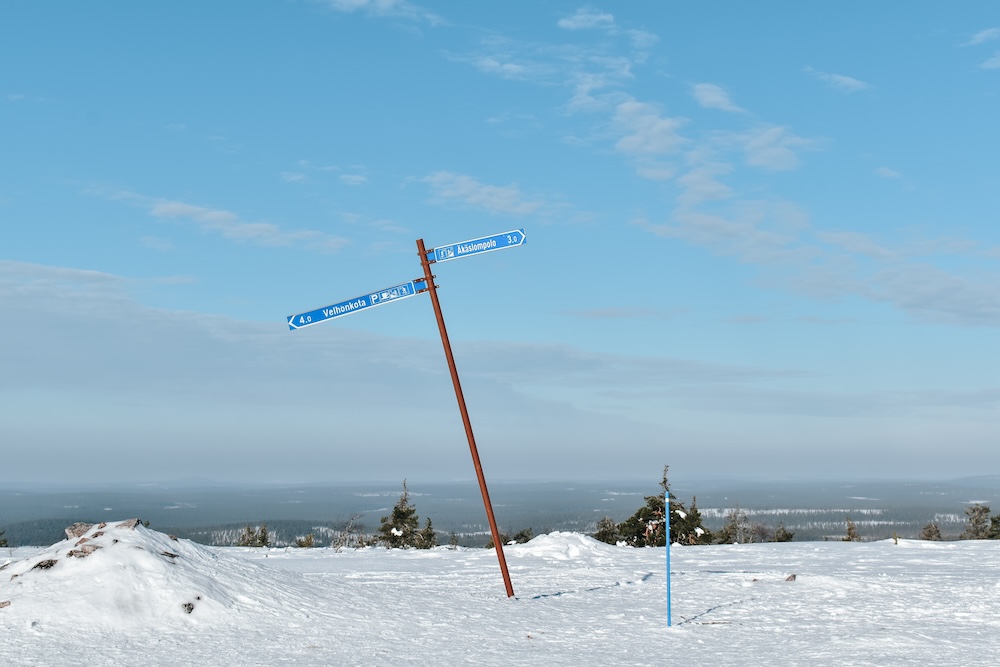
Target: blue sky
(760,242)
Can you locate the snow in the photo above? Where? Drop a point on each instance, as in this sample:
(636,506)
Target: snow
(579,602)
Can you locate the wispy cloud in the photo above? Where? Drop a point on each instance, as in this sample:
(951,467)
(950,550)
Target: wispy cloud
(385,8)
(753,232)
(992,63)
(593,72)
(983,36)
(292,177)
(773,147)
(702,184)
(353,179)
(449,187)
(587,19)
(507,70)
(855,242)
(646,131)
(886,172)
(712,96)
(227,224)
(935,294)
(840,82)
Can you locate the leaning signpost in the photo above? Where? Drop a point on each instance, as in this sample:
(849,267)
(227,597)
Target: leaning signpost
(416,286)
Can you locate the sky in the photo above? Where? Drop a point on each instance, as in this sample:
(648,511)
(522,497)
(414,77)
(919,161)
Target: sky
(759,242)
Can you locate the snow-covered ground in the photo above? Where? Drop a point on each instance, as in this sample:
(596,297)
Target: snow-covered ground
(143,598)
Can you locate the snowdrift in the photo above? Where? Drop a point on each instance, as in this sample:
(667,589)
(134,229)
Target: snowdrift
(123,574)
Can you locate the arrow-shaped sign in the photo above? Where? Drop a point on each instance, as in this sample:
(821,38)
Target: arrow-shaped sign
(443,253)
(382,296)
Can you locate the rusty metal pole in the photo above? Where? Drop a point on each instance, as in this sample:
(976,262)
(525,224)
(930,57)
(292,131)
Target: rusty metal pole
(432,288)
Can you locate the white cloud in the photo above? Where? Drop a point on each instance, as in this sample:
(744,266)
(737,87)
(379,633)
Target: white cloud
(772,148)
(586,86)
(711,96)
(935,294)
(845,84)
(655,171)
(586,19)
(292,177)
(727,235)
(385,8)
(451,187)
(353,179)
(642,40)
(229,225)
(855,242)
(886,172)
(982,36)
(992,63)
(645,130)
(701,185)
(491,65)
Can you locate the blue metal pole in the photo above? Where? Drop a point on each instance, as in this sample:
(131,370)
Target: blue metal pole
(666,513)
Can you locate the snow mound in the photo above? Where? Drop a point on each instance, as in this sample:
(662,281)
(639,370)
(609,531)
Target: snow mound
(565,546)
(120,573)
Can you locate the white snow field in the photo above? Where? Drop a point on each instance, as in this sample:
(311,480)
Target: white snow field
(143,598)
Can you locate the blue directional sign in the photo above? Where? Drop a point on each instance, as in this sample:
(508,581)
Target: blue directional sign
(443,253)
(382,296)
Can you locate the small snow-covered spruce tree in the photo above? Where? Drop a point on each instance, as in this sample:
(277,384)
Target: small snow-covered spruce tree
(977,526)
(736,529)
(782,534)
(3,540)
(607,531)
(254,536)
(520,537)
(647,528)
(427,538)
(399,529)
(931,531)
(306,542)
(852,532)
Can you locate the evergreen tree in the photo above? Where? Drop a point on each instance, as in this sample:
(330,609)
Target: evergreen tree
(427,538)
(3,540)
(306,542)
(977,526)
(607,531)
(781,534)
(647,528)
(736,529)
(519,537)
(685,524)
(399,529)
(932,532)
(523,536)
(254,537)
(852,532)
